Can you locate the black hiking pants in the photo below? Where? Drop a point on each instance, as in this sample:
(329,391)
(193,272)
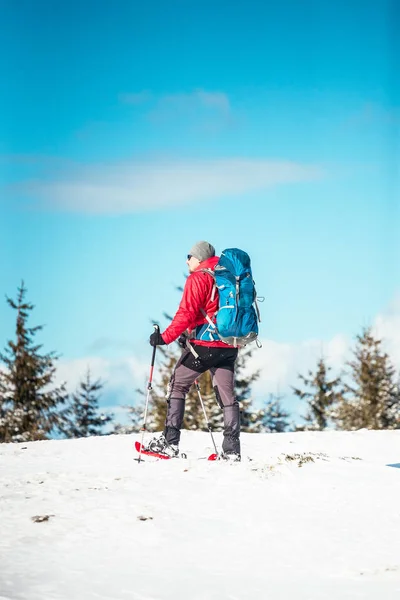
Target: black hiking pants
(220,362)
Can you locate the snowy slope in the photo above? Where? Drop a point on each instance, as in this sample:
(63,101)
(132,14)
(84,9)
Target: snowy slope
(197,530)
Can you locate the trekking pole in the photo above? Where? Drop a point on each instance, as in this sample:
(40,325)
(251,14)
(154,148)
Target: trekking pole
(197,386)
(149,389)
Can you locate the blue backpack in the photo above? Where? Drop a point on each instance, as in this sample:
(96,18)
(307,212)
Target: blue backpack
(237,317)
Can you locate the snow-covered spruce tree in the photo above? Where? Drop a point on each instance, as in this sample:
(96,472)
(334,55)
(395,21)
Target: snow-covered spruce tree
(274,418)
(322,397)
(30,404)
(373,398)
(135,414)
(250,418)
(393,412)
(84,417)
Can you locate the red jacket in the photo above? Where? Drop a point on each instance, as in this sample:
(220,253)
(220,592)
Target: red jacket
(196,296)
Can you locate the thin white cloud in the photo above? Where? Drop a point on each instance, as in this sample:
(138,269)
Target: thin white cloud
(140,186)
(120,375)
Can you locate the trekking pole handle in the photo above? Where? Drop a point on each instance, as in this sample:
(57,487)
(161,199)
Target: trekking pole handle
(153,359)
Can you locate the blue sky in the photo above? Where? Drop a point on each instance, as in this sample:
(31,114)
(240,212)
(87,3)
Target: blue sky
(130,131)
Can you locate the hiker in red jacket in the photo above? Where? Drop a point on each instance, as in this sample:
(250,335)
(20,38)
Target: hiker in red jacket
(203,351)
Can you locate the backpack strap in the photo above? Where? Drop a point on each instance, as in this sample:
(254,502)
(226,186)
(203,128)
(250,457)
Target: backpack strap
(211,272)
(192,350)
(203,312)
(256,303)
(257,310)
(205,315)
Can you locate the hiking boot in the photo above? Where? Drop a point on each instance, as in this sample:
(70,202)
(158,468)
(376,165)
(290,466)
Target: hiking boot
(231,457)
(161,445)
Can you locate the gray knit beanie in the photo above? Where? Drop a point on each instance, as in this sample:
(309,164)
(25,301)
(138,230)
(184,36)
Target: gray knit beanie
(202,251)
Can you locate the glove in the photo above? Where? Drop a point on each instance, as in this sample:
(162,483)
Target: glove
(156,339)
(182,340)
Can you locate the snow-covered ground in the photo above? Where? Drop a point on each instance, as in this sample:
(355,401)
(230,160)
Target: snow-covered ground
(191,529)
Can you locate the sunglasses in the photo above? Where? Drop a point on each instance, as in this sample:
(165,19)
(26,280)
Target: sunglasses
(189,256)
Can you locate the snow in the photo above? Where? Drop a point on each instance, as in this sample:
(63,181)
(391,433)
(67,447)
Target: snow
(198,530)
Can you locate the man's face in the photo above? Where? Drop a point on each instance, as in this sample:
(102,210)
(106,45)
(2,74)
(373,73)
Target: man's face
(192,263)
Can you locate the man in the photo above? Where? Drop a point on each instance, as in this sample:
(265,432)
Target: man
(204,351)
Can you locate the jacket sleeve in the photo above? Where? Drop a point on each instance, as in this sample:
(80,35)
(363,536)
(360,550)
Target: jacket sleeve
(194,298)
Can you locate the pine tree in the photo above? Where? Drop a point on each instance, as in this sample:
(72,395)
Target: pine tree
(84,417)
(250,418)
(373,400)
(274,419)
(135,415)
(392,416)
(30,406)
(324,394)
